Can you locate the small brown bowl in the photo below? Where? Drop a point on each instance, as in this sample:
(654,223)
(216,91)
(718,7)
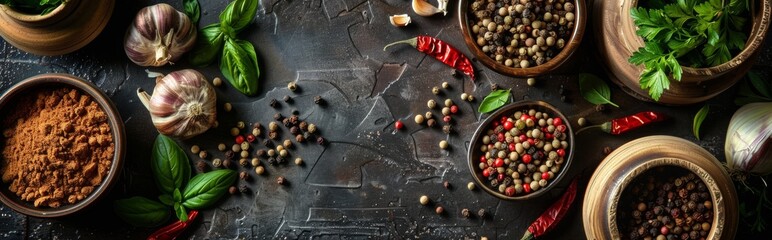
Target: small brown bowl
(11,200)
(570,46)
(621,168)
(475,143)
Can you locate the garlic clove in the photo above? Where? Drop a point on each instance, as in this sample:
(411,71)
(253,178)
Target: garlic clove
(748,146)
(159,34)
(401,20)
(424,8)
(442,5)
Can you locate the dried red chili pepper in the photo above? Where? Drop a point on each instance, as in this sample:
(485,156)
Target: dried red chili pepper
(550,218)
(440,50)
(624,124)
(172,231)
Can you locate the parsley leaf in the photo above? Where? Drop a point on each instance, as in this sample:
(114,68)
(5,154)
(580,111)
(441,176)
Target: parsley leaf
(696,33)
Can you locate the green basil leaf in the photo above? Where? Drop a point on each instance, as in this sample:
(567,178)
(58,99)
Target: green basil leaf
(193,10)
(169,164)
(182,214)
(494,101)
(761,85)
(238,14)
(205,189)
(208,46)
(594,90)
(141,212)
(698,118)
(166,199)
(177,195)
(239,65)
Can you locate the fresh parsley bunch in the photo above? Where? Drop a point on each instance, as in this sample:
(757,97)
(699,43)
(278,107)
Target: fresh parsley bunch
(694,33)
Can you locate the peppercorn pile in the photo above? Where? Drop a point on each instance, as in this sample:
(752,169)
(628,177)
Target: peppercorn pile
(521,156)
(657,207)
(522,33)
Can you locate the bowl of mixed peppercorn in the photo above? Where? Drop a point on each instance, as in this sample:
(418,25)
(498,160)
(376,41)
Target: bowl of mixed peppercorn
(660,187)
(522,38)
(521,151)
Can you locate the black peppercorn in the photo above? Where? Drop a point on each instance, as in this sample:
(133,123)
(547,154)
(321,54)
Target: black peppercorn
(494,87)
(293,120)
(431,122)
(272,160)
(273,135)
(295,112)
(260,153)
(278,117)
(274,103)
(303,126)
(280,180)
(318,100)
(243,188)
(299,138)
(286,122)
(227,163)
(233,190)
(287,99)
(320,141)
(229,154)
(201,166)
(244,175)
(465,213)
(294,130)
(447,129)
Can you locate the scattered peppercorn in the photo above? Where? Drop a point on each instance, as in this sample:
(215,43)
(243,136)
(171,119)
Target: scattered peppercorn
(312,128)
(582,122)
(287,99)
(217,82)
(424,200)
(244,175)
(419,119)
(292,86)
(465,213)
(494,87)
(274,103)
(471,186)
(227,107)
(436,90)
(320,141)
(600,108)
(607,150)
(446,184)
(439,210)
(482,213)
(201,166)
(202,154)
(298,161)
(233,190)
(299,138)
(221,147)
(430,122)
(195,149)
(243,188)
(234,131)
(280,180)
(255,162)
(217,163)
(443,144)
(431,104)
(243,162)
(398,125)
(259,170)
(447,129)
(227,163)
(531,81)
(318,100)
(445,85)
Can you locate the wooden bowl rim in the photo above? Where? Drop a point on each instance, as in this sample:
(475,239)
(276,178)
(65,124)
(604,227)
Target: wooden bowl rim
(64,8)
(117,129)
(568,50)
(473,151)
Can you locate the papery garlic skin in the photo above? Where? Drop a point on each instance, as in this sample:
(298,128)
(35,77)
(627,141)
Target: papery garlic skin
(747,146)
(159,34)
(183,104)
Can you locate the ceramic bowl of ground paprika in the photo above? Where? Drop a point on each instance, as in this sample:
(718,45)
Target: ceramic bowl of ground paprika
(62,145)
(521,151)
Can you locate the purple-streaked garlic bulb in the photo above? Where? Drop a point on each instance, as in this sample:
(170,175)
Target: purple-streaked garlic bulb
(183,104)
(159,34)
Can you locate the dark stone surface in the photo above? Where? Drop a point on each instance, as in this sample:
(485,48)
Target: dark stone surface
(366,181)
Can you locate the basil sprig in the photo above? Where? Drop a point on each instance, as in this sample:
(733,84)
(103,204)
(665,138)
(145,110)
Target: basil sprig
(170,165)
(193,10)
(238,62)
(494,101)
(594,90)
(698,119)
(205,189)
(171,171)
(142,212)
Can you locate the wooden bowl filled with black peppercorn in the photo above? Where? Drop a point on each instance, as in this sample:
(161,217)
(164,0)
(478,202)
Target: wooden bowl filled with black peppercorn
(522,38)
(660,187)
(521,151)
(62,145)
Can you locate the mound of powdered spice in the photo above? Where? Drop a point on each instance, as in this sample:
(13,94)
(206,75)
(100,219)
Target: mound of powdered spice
(57,146)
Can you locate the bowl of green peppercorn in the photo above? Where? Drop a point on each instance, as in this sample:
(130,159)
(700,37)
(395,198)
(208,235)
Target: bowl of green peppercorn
(522,38)
(521,151)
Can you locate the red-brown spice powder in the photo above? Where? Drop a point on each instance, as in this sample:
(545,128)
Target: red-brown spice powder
(57,146)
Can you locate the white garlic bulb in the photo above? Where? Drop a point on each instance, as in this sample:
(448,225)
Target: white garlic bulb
(159,34)
(183,104)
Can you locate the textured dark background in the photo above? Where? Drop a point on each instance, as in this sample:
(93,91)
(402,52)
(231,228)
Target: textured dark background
(366,182)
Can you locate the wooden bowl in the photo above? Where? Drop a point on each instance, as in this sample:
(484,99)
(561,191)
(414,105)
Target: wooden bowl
(67,28)
(11,200)
(570,47)
(475,143)
(616,42)
(634,158)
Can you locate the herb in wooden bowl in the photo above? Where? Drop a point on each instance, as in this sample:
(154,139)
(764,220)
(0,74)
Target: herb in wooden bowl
(696,33)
